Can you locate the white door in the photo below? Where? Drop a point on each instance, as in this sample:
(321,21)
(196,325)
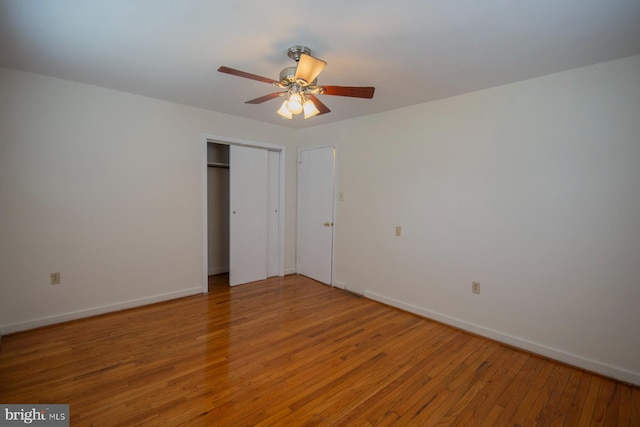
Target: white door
(315,214)
(248,184)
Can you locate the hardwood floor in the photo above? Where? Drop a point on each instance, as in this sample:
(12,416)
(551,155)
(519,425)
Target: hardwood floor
(289,351)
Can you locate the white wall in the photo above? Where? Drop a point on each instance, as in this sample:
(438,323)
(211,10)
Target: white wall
(107,188)
(532,189)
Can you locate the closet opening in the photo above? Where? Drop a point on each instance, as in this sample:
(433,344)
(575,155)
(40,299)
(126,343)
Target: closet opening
(217,214)
(243,210)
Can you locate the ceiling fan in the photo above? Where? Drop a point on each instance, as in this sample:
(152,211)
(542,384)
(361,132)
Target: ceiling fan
(301,85)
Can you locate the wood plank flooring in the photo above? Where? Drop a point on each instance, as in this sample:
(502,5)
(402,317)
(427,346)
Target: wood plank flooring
(292,352)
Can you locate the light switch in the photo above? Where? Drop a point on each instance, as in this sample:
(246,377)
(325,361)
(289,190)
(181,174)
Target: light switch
(398,230)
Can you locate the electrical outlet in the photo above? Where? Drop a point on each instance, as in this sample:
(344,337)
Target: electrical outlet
(55,278)
(475,287)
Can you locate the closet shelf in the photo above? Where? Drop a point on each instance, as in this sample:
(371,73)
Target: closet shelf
(218,165)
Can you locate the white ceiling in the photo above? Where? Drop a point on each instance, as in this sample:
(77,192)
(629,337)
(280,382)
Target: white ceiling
(412,51)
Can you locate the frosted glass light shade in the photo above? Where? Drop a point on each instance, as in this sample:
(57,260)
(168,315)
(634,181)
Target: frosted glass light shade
(310,109)
(295,104)
(284,112)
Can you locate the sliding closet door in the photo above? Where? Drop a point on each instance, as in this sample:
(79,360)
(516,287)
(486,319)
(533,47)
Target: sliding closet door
(273,216)
(248,184)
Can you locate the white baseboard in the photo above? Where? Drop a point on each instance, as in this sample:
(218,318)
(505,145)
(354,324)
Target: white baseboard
(79,314)
(290,270)
(342,285)
(217,270)
(552,353)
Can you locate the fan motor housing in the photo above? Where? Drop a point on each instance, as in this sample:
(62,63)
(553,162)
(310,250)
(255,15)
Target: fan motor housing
(288,74)
(287,78)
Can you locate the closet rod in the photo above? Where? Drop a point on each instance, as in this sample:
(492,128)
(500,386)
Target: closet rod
(218,165)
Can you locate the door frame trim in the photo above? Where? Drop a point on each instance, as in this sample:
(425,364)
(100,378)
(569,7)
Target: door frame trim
(298,198)
(228,140)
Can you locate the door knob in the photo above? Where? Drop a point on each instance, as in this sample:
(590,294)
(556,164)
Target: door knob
(328,224)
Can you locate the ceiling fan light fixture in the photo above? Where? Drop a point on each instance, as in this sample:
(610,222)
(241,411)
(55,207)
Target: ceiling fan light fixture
(300,85)
(284,111)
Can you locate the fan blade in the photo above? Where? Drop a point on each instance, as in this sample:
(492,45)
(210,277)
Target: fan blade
(246,75)
(266,98)
(352,91)
(308,69)
(319,105)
